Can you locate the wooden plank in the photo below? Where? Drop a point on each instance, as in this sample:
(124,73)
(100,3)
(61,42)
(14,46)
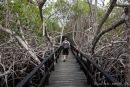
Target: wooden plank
(67,74)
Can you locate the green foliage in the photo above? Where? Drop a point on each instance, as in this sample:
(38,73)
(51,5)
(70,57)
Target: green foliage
(26,13)
(48,9)
(62,4)
(2,14)
(100,13)
(52,25)
(81,7)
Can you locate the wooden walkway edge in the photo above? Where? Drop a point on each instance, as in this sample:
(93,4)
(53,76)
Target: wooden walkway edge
(67,74)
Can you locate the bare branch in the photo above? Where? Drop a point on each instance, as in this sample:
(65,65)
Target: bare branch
(123,5)
(5,72)
(121,21)
(27,47)
(112,5)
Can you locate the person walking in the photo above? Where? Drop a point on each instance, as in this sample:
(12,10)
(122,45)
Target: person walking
(66,47)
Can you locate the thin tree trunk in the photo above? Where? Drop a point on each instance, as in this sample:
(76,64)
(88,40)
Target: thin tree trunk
(7,14)
(112,5)
(40,5)
(96,36)
(63,26)
(90,12)
(127,68)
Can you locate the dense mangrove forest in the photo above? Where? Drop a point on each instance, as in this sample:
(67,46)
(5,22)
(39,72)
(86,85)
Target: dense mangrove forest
(32,29)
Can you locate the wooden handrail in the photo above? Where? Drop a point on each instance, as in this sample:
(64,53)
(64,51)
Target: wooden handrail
(26,81)
(85,65)
(112,82)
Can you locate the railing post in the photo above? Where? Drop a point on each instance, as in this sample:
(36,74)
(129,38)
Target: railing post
(72,50)
(46,71)
(81,61)
(27,84)
(53,68)
(88,71)
(56,54)
(77,55)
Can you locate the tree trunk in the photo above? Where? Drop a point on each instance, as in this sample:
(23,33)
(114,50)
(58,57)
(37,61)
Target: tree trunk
(27,47)
(64,25)
(127,68)
(116,24)
(112,5)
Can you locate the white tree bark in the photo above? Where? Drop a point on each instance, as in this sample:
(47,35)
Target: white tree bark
(63,26)
(5,73)
(27,47)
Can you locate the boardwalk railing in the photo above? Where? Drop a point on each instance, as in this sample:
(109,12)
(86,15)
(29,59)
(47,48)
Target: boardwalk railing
(86,65)
(48,67)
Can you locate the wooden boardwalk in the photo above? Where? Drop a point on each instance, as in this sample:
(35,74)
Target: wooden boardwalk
(67,74)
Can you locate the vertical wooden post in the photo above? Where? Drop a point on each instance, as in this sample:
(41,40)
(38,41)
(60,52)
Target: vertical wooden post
(27,84)
(46,71)
(56,54)
(88,70)
(77,55)
(81,61)
(43,85)
(53,68)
